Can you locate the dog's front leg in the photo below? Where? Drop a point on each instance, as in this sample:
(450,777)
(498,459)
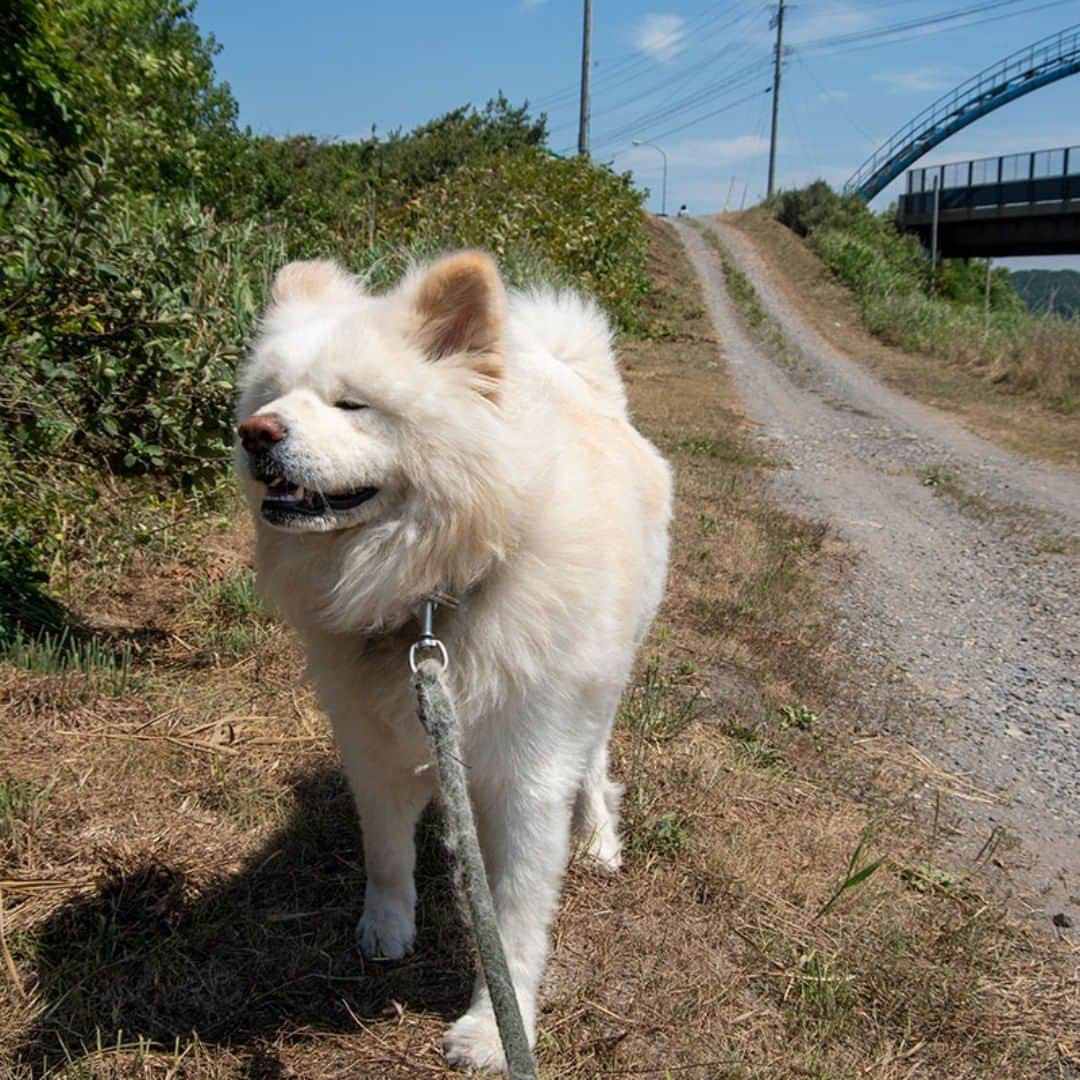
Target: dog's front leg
(389,801)
(524,829)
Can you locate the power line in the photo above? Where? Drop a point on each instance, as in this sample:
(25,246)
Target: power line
(627,64)
(643,123)
(918,27)
(710,115)
(686,75)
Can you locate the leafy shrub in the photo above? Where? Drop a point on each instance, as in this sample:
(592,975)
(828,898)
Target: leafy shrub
(122,319)
(585,222)
(135,73)
(805,209)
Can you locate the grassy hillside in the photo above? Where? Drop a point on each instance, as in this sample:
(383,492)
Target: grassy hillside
(1008,348)
(1054,292)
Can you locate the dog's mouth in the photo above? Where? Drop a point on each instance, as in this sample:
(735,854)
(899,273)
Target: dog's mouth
(285,501)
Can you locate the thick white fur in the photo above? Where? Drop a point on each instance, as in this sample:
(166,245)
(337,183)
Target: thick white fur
(512,482)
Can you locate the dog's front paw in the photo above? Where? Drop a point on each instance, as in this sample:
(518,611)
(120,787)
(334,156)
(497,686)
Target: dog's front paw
(387,928)
(473,1043)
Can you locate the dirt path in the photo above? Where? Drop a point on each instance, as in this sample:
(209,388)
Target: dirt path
(958,588)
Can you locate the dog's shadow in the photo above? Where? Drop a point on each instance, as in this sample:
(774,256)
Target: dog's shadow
(266,950)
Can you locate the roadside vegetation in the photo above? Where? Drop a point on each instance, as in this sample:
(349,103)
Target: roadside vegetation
(139,228)
(1049,291)
(1008,347)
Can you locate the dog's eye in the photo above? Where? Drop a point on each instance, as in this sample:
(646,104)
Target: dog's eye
(346,403)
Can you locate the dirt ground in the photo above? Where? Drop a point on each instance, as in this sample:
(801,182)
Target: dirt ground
(179,860)
(954,584)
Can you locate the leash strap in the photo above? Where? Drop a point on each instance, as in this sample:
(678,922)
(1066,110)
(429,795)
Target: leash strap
(436,712)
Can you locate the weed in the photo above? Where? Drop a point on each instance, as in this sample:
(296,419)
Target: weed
(940,478)
(854,877)
(824,991)
(1056,544)
(924,878)
(234,595)
(707,447)
(238,622)
(654,710)
(750,747)
(801,717)
(708,524)
(21,807)
(666,837)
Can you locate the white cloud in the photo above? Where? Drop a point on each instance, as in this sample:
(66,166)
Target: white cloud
(831,19)
(833,95)
(923,80)
(707,152)
(528,5)
(661,36)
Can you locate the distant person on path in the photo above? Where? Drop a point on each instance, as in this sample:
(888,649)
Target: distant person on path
(683,212)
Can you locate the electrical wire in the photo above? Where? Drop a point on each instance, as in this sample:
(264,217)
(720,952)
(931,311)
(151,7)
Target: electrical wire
(628,65)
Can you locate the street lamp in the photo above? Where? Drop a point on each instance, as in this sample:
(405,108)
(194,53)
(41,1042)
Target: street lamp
(663,190)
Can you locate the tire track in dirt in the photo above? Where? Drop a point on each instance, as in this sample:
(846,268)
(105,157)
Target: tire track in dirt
(986,629)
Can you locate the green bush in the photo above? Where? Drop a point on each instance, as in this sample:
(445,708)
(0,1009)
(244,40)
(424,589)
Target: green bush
(803,210)
(584,222)
(121,319)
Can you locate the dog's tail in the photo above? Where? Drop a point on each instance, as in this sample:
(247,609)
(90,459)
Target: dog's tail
(574,330)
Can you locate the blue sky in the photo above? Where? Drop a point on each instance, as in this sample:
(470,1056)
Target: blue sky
(334,68)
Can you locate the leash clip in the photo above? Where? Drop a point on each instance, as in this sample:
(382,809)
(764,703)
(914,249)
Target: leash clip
(427,642)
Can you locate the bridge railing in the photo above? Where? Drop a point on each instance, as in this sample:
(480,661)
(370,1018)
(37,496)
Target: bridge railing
(1041,176)
(1026,68)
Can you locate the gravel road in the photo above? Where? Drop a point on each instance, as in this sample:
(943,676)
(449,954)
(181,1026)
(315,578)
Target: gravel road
(956,591)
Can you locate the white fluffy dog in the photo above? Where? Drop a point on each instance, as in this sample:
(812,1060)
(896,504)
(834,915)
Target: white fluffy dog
(448,440)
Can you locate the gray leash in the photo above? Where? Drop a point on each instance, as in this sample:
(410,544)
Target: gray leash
(436,712)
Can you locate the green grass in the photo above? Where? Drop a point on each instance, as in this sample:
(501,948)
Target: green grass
(66,653)
(231,606)
(21,807)
(801,717)
(748,304)
(666,836)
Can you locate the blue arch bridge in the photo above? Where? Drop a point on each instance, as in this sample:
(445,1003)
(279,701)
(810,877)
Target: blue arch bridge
(1022,72)
(1018,204)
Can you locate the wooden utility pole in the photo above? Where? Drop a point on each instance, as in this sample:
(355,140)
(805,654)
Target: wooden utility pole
(586,64)
(777,68)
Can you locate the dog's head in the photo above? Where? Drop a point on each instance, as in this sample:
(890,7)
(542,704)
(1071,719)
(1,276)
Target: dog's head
(376,420)
(348,397)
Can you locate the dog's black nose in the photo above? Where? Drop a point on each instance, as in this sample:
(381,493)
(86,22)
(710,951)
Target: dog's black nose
(261,431)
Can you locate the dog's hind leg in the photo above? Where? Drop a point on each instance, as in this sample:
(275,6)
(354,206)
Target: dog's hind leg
(596,812)
(596,808)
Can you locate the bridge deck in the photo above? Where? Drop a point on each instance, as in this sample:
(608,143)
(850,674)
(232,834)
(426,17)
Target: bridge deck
(1018,204)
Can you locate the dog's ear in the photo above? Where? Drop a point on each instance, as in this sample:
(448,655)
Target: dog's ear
(459,305)
(312,279)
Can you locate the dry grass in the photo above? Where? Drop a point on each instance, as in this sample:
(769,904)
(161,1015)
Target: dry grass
(181,874)
(961,382)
